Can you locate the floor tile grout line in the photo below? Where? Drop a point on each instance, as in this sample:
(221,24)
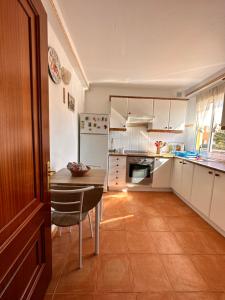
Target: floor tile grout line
(159,254)
(56,286)
(205,280)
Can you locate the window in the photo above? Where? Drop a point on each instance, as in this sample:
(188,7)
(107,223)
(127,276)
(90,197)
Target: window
(209,136)
(218,135)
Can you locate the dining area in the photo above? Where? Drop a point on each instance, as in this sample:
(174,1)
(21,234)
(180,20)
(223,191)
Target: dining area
(73,199)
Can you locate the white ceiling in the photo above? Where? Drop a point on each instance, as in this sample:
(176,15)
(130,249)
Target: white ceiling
(147,42)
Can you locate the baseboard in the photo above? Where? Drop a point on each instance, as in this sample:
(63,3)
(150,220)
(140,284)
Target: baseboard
(216,227)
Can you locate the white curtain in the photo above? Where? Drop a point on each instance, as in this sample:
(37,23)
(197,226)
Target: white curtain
(204,108)
(218,100)
(209,106)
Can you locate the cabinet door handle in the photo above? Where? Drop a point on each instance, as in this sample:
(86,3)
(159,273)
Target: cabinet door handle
(166,127)
(217,175)
(170,127)
(184,163)
(210,172)
(180,162)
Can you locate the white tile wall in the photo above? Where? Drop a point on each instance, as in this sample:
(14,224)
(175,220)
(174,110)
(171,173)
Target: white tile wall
(137,138)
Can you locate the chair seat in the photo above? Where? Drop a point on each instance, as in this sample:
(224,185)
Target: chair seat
(65,220)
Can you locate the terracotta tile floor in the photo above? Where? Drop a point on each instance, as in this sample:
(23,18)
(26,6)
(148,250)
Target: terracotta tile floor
(152,246)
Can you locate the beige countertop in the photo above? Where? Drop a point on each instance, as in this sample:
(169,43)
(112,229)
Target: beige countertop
(149,154)
(216,165)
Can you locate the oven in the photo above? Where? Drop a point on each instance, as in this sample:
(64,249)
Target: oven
(140,170)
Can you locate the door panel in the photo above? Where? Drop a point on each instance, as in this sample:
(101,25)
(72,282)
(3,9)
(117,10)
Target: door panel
(177,114)
(202,188)
(25,236)
(218,201)
(177,175)
(20,154)
(140,107)
(186,181)
(161,114)
(162,173)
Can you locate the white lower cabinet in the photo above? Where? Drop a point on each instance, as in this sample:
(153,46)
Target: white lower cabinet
(117,172)
(202,188)
(177,175)
(162,173)
(182,177)
(186,180)
(217,212)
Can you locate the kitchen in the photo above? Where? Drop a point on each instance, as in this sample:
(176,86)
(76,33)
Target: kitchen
(113,155)
(135,163)
(160,141)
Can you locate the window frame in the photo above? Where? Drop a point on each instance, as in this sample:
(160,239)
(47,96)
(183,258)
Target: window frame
(210,143)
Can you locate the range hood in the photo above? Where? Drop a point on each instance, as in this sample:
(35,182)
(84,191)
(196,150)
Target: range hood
(133,120)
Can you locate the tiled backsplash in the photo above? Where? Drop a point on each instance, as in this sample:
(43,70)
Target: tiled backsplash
(137,138)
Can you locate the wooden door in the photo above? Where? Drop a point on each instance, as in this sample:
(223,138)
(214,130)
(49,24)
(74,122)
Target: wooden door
(25,235)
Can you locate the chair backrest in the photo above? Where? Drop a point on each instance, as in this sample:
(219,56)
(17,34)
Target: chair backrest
(92,198)
(68,200)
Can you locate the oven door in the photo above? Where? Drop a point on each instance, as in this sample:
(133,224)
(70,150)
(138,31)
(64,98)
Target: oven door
(140,172)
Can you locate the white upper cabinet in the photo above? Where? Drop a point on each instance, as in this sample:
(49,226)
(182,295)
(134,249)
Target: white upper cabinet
(118,112)
(169,114)
(177,114)
(140,107)
(217,213)
(161,114)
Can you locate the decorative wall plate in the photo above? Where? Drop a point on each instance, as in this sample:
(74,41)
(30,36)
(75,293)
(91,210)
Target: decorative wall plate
(54,66)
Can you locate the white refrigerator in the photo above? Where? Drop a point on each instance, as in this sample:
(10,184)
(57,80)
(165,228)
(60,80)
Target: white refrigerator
(94,133)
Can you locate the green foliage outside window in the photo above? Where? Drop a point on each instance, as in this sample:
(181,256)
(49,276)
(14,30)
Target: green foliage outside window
(219,140)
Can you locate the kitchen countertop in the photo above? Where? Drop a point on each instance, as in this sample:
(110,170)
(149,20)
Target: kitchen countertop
(149,154)
(216,165)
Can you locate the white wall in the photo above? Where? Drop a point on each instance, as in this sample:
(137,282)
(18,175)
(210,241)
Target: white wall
(63,122)
(97,97)
(137,138)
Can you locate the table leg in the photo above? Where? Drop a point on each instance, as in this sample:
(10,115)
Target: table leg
(97,222)
(101,209)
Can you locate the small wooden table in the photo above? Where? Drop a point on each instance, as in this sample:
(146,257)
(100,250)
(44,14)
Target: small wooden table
(95,177)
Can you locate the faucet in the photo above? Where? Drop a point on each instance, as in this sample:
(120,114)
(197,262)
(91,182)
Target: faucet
(199,149)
